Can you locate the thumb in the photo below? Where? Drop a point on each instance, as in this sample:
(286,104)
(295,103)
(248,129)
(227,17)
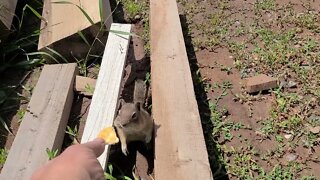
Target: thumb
(97,146)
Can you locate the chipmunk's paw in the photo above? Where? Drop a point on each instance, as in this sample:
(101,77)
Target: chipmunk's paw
(125,150)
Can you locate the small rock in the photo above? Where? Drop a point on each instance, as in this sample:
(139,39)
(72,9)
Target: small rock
(237,23)
(297,46)
(260,82)
(291,157)
(137,17)
(291,84)
(287,136)
(306,67)
(314,130)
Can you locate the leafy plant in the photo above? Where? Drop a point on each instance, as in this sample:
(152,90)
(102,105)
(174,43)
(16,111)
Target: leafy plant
(147,78)
(52,153)
(3,156)
(89,88)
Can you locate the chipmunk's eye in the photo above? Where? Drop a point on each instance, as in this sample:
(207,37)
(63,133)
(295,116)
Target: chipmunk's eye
(134,115)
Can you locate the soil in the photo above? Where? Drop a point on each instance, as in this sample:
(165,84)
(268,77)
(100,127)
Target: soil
(215,65)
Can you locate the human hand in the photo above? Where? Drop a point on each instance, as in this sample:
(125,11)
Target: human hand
(77,162)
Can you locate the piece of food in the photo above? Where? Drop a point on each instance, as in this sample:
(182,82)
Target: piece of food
(109,135)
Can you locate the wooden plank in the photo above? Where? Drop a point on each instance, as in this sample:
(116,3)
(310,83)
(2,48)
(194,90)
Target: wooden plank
(63,20)
(7,12)
(105,98)
(180,149)
(84,85)
(43,126)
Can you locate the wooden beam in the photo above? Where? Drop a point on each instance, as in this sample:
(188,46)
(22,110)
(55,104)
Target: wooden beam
(61,21)
(43,126)
(7,12)
(105,98)
(180,149)
(85,85)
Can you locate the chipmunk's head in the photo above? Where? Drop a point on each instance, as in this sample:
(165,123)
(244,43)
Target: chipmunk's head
(128,114)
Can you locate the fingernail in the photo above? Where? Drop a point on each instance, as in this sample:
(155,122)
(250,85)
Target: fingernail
(100,140)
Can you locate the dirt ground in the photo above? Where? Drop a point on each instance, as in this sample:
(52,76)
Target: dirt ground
(249,136)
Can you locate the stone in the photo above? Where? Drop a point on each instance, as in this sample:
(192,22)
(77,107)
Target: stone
(260,82)
(314,130)
(291,157)
(291,84)
(137,17)
(287,136)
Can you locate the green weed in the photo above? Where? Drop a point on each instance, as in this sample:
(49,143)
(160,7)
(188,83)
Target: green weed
(21,113)
(52,153)
(89,89)
(265,4)
(109,174)
(3,156)
(307,20)
(72,132)
(147,79)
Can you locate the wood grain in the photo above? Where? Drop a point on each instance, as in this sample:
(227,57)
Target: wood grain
(7,12)
(63,20)
(105,98)
(43,125)
(180,150)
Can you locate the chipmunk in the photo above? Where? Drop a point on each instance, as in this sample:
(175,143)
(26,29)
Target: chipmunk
(133,122)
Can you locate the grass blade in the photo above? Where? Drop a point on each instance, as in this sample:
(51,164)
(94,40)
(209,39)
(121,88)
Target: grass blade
(101,11)
(58,54)
(33,11)
(87,16)
(83,38)
(28,63)
(41,54)
(123,33)
(4,124)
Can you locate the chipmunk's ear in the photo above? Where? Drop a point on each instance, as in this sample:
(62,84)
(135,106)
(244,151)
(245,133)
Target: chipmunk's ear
(120,103)
(137,104)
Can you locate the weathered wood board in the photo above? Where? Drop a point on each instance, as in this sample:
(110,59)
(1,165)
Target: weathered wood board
(62,22)
(105,98)
(180,150)
(7,12)
(43,125)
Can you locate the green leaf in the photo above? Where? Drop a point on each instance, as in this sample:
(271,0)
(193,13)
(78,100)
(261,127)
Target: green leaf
(28,63)
(109,177)
(127,178)
(33,11)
